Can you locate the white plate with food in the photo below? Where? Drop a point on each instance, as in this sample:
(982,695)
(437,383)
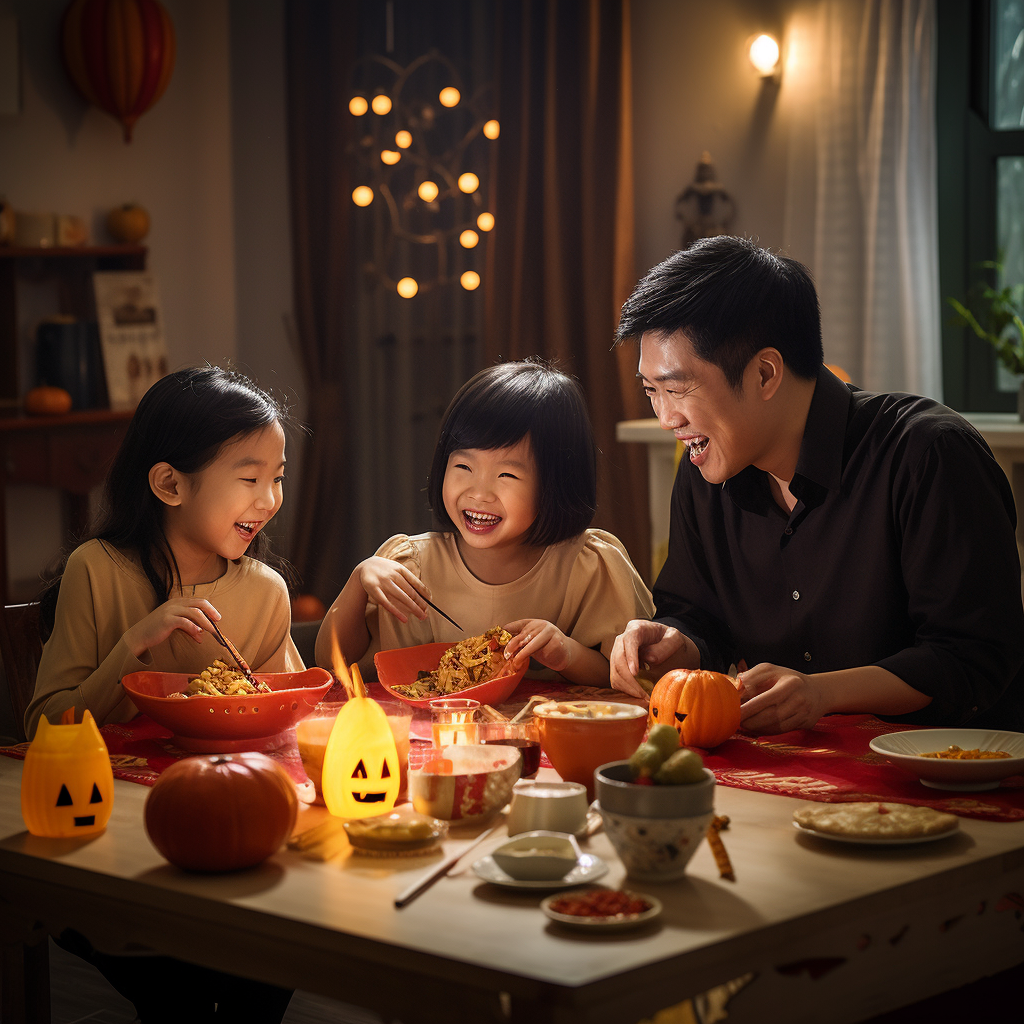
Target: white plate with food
(866,841)
(589,869)
(965,760)
(602,909)
(874,822)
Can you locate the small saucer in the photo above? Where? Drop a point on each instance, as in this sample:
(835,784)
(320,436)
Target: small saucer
(589,869)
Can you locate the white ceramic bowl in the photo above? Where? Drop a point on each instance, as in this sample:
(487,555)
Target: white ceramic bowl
(617,792)
(538,856)
(655,849)
(904,749)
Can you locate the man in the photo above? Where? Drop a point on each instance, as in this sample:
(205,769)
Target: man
(856,549)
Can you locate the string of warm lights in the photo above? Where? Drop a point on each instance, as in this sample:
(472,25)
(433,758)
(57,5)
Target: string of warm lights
(413,150)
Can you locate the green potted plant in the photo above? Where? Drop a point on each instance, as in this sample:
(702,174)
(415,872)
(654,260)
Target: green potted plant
(996,315)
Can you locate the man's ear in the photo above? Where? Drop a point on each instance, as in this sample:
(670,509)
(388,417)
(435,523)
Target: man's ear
(770,371)
(166,483)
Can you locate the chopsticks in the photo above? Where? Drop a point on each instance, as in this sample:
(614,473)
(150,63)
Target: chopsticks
(445,614)
(239,660)
(407,896)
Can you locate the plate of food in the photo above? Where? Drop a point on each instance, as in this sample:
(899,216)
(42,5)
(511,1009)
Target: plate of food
(955,759)
(589,868)
(875,823)
(602,909)
(217,714)
(474,668)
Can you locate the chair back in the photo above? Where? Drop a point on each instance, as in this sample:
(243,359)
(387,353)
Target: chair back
(21,647)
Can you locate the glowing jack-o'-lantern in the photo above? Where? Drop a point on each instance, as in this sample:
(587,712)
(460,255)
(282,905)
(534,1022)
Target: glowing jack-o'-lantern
(703,706)
(362,772)
(67,786)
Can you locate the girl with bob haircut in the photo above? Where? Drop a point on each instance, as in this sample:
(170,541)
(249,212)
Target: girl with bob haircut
(513,488)
(179,546)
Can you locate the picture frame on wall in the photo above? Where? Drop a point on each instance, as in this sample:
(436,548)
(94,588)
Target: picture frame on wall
(131,334)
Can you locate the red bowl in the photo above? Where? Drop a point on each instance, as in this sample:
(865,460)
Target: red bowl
(226,724)
(400,668)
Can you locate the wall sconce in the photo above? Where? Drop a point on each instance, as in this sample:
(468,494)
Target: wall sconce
(763,52)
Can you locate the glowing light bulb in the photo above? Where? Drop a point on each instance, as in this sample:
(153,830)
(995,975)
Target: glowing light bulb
(485,221)
(380,104)
(449,96)
(362,195)
(469,182)
(403,140)
(407,287)
(470,280)
(427,191)
(468,239)
(358,106)
(492,129)
(764,55)
(390,156)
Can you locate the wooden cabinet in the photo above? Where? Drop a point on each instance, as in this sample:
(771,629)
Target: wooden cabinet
(68,272)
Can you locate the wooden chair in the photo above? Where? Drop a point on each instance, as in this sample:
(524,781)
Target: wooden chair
(21,647)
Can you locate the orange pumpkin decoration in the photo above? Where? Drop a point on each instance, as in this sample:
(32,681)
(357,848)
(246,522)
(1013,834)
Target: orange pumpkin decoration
(307,608)
(47,401)
(703,706)
(120,54)
(221,812)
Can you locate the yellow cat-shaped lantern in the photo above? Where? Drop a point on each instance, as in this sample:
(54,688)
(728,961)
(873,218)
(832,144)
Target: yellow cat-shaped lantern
(67,786)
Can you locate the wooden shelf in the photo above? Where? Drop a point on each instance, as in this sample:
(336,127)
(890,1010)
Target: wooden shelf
(8,252)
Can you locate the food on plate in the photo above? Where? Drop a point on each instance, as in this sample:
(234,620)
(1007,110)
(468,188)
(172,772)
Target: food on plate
(475,660)
(874,820)
(585,709)
(601,903)
(400,830)
(220,681)
(954,753)
(662,762)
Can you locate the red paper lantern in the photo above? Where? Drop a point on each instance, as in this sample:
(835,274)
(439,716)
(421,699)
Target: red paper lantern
(120,54)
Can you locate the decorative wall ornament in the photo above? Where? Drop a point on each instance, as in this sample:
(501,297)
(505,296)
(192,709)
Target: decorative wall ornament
(119,54)
(704,206)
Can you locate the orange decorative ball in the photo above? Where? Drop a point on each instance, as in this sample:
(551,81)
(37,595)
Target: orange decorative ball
(128,223)
(307,608)
(47,401)
(703,706)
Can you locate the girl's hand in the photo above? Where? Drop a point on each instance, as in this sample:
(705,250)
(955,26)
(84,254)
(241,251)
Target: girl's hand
(540,639)
(777,699)
(393,587)
(192,615)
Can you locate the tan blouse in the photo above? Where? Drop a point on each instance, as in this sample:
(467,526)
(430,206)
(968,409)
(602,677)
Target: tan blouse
(103,593)
(586,586)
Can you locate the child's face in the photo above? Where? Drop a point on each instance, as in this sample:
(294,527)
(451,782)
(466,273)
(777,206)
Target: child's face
(228,502)
(491,494)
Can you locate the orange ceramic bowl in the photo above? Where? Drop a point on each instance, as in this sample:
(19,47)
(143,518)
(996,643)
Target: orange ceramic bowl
(400,667)
(227,724)
(581,735)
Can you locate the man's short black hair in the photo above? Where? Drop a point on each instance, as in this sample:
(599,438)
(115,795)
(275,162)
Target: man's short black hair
(731,299)
(500,406)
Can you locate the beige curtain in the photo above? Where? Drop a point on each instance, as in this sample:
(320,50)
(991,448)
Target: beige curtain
(563,262)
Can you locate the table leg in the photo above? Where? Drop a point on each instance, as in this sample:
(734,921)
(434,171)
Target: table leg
(25,983)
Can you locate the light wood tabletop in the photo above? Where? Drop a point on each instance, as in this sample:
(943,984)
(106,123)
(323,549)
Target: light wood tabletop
(870,928)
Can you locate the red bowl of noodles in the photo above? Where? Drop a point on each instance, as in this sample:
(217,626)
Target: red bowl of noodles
(400,667)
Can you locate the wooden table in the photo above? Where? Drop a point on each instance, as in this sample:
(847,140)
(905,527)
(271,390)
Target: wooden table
(866,929)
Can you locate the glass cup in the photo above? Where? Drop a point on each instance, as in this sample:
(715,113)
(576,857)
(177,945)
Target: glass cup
(313,732)
(523,735)
(453,721)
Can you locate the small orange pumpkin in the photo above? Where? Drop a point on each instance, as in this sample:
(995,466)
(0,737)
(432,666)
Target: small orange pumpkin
(47,401)
(703,706)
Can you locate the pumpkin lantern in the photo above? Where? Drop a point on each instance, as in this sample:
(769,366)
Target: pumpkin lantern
(67,786)
(120,54)
(362,772)
(703,706)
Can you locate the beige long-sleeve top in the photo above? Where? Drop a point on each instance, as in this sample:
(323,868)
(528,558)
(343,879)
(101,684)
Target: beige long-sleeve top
(586,586)
(103,593)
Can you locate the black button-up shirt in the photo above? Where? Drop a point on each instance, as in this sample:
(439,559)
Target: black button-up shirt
(900,552)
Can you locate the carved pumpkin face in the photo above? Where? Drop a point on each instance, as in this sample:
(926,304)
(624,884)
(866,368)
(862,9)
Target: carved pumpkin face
(362,773)
(704,707)
(67,786)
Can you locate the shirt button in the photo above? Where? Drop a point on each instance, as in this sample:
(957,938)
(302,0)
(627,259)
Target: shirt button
(789,531)
(807,655)
(796,595)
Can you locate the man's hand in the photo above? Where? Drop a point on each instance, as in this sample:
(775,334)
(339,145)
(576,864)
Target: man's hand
(778,699)
(643,641)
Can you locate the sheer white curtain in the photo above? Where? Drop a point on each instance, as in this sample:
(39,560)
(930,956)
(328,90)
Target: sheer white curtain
(867,74)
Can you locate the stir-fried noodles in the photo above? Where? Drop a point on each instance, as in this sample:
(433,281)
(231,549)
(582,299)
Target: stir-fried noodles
(475,660)
(221,681)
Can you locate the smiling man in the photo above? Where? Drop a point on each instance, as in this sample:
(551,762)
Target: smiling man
(856,549)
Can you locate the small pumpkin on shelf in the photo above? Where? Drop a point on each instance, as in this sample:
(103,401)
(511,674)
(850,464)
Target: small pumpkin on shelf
(47,401)
(703,706)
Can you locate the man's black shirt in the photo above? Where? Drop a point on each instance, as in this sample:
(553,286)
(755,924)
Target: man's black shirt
(900,552)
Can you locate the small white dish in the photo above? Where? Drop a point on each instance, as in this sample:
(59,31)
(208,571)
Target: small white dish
(884,841)
(589,868)
(538,856)
(905,750)
(608,924)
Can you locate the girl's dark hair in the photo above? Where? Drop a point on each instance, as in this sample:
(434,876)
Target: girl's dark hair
(184,419)
(730,298)
(500,406)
